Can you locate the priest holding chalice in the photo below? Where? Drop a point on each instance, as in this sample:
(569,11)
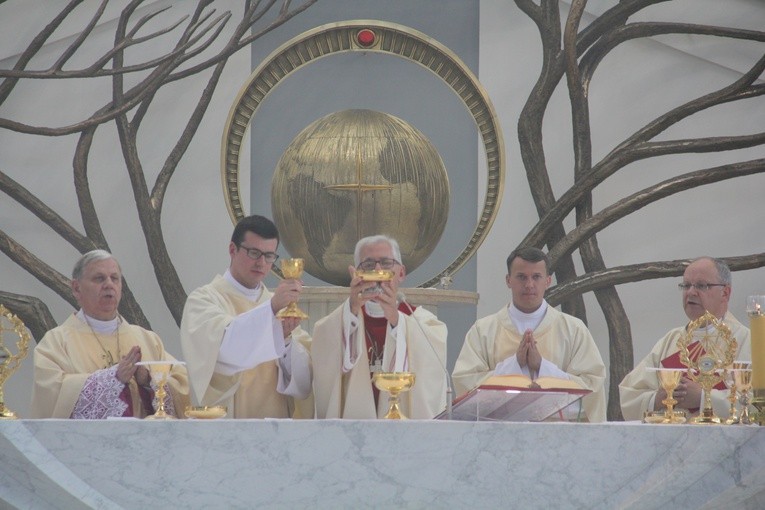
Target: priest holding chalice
(376,331)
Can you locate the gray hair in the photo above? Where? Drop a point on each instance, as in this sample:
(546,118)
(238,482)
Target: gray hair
(85,260)
(723,271)
(366,241)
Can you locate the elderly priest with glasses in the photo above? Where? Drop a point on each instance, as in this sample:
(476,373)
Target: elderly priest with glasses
(706,287)
(238,353)
(376,330)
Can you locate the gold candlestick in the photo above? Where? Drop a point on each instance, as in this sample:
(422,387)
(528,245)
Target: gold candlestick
(755,308)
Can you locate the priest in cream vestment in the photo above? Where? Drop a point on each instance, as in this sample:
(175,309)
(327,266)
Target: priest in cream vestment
(531,338)
(375,329)
(87,367)
(706,286)
(237,352)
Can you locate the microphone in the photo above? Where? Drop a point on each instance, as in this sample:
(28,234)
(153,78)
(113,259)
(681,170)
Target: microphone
(449,392)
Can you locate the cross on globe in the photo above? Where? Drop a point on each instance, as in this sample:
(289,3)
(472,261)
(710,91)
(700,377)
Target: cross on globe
(353,174)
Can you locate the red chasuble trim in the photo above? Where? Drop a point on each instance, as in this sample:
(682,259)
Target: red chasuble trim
(375,330)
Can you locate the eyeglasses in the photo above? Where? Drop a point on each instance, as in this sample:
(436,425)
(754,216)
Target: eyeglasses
(255,254)
(370,264)
(701,287)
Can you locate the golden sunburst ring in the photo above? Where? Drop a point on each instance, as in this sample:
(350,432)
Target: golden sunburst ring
(382,37)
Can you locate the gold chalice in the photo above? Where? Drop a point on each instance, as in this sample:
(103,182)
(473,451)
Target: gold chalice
(393,383)
(9,362)
(669,378)
(742,375)
(160,373)
(730,383)
(292,269)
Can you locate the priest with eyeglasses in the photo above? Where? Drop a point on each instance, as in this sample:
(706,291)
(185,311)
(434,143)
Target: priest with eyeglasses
(706,286)
(376,330)
(238,353)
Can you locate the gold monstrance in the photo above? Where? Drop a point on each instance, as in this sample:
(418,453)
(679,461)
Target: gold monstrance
(716,351)
(10,362)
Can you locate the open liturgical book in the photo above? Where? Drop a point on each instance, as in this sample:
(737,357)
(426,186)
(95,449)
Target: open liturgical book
(518,398)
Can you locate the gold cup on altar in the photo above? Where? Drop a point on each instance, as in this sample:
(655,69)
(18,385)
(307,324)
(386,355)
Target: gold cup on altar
(160,373)
(755,309)
(292,269)
(205,412)
(9,362)
(716,351)
(669,378)
(742,382)
(393,383)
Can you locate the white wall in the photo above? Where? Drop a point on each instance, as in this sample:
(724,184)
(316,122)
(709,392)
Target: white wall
(636,83)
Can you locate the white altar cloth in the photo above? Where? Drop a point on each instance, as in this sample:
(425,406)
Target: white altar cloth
(65,464)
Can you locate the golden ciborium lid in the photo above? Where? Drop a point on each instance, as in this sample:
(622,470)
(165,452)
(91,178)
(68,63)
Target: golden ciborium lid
(376,275)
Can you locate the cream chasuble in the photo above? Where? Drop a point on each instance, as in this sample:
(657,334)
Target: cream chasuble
(638,388)
(348,394)
(251,393)
(68,354)
(562,340)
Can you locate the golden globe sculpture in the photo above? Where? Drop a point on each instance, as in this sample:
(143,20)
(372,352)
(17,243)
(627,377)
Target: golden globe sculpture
(353,174)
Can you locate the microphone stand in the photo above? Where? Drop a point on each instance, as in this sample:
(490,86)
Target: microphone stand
(449,391)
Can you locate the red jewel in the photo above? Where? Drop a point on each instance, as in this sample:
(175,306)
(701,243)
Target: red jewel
(365,37)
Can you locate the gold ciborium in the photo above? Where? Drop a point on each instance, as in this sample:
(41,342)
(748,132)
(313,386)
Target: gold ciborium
(160,373)
(716,350)
(205,412)
(9,362)
(375,275)
(393,383)
(742,376)
(292,269)
(669,378)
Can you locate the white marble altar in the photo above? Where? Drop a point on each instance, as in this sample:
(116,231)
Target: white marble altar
(65,464)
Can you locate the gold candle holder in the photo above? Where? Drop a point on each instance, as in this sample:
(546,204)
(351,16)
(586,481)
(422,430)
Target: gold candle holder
(755,308)
(10,362)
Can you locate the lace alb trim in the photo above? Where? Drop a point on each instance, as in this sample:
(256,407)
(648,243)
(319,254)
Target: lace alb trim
(100,396)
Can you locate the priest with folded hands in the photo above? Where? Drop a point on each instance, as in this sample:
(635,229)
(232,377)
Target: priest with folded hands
(87,367)
(528,337)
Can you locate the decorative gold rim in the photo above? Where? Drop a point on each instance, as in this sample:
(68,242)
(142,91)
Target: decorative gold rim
(392,39)
(22,344)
